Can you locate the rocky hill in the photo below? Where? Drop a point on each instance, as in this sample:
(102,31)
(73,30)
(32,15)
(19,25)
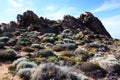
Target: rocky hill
(36,48)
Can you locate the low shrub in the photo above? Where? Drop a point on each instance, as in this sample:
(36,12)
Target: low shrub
(24,42)
(17,47)
(44,53)
(38,46)
(67,53)
(28,49)
(24,73)
(63,47)
(25,64)
(48,39)
(16,62)
(93,69)
(4,39)
(2,44)
(8,54)
(56,25)
(82,53)
(52,59)
(12,42)
(50,71)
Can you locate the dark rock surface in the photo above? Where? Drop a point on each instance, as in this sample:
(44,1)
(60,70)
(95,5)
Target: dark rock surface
(93,23)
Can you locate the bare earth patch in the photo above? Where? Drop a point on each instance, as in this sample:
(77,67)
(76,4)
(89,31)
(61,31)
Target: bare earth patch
(4,72)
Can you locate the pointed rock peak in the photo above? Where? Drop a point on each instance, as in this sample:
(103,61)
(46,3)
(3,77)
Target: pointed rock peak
(93,23)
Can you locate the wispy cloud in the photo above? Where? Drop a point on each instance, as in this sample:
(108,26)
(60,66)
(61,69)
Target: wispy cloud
(107,5)
(19,6)
(16,3)
(112,25)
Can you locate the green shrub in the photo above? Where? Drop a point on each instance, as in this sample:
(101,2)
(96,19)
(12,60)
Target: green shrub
(67,53)
(8,54)
(56,25)
(49,35)
(11,42)
(81,52)
(2,44)
(44,53)
(24,41)
(16,62)
(25,64)
(52,59)
(63,47)
(16,33)
(48,39)
(4,39)
(38,46)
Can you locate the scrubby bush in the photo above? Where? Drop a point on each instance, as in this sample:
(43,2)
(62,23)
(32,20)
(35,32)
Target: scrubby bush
(16,62)
(25,64)
(28,49)
(82,53)
(63,47)
(8,54)
(24,42)
(12,42)
(93,69)
(49,35)
(38,46)
(78,36)
(56,25)
(44,53)
(17,47)
(24,73)
(2,44)
(94,45)
(48,39)
(52,72)
(16,33)
(67,53)
(52,59)
(4,39)
(49,45)
(67,40)
(108,63)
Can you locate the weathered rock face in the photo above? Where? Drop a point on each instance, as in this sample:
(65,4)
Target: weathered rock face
(69,22)
(93,23)
(27,18)
(31,22)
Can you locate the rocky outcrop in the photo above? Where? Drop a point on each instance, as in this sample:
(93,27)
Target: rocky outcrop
(27,18)
(69,22)
(93,23)
(31,22)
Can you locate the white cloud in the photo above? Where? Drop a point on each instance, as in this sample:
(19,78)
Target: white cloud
(107,5)
(19,6)
(16,3)
(112,25)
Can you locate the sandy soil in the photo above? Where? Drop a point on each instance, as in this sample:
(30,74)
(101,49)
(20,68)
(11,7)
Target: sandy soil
(4,72)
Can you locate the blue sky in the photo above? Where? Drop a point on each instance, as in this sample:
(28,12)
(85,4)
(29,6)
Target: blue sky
(108,11)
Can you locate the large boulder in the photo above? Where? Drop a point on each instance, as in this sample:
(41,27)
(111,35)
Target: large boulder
(91,22)
(28,17)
